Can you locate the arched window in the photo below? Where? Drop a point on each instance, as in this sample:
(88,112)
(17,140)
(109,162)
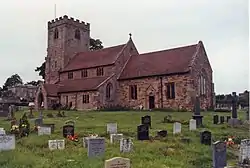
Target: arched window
(77,34)
(108,91)
(56,33)
(202,83)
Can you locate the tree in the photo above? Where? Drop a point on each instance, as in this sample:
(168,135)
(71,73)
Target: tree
(34,83)
(12,81)
(95,44)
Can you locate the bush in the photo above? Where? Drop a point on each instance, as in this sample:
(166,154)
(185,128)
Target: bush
(116,107)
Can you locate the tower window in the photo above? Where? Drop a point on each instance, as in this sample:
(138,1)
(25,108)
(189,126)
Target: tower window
(70,75)
(99,71)
(56,33)
(133,92)
(84,73)
(77,34)
(170,90)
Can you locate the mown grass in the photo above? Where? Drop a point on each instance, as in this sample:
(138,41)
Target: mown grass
(33,152)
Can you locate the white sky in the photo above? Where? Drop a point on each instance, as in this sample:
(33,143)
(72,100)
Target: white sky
(222,25)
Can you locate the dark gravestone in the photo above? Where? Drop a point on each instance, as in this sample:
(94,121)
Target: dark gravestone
(219,154)
(52,127)
(197,112)
(38,122)
(4,110)
(146,120)
(216,119)
(142,132)
(234,106)
(222,119)
(162,133)
(206,137)
(68,130)
(228,118)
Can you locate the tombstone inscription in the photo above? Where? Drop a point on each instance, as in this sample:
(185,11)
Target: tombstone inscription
(219,154)
(244,151)
(117,162)
(206,137)
(115,138)
(7,142)
(192,124)
(112,128)
(68,130)
(44,131)
(142,132)
(126,145)
(177,128)
(96,147)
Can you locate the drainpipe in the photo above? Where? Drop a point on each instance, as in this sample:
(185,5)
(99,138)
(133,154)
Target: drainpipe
(161,92)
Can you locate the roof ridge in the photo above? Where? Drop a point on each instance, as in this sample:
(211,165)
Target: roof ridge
(105,80)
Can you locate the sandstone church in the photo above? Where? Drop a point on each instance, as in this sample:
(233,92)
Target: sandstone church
(120,75)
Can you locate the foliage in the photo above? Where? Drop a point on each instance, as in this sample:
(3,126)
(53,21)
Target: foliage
(115,107)
(95,44)
(34,83)
(12,81)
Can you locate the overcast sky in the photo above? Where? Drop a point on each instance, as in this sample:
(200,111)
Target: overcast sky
(222,25)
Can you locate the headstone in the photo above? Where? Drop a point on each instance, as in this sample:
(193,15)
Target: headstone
(177,128)
(38,122)
(228,118)
(7,142)
(85,141)
(52,144)
(222,119)
(112,128)
(2,131)
(96,147)
(192,124)
(52,126)
(206,137)
(244,151)
(4,110)
(115,138)
(234,105)
(68,130)
(216,119)
(146,120)
(44,131)
(219,154)
(60,144)
(197,112)
(117,162)
(142,132)
(162,133)
(126,145)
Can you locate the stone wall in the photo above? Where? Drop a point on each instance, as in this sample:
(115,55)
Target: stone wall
(152,86)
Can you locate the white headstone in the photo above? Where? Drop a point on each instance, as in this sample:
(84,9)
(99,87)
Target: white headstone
(112,128)
(177,128)
(52,144)
(126,145)
(192,124)
(2,131)
(244,150)
(96,147)
(44,131)
(7,142)
(115,138)
(117,162)
(60,144)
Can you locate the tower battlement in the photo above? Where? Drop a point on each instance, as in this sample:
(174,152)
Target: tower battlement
(66,20)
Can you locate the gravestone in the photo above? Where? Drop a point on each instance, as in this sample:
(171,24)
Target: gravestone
(216,119)
(38,122)
(60,144)
(146,120)
(126,145)
(228,118)
(52,144)
(44,131)
(115,138)
(192,124)
(219,154)
(162,133)
(52,126)
(244,156)
(197,112)
(222,119)
(2,131)
(234,120)
(117,162)
(142,132)
(206,137)
(68,130)
(96,147)
(112,128)
(85,141)
(4,110)
(177,128)
(7,142)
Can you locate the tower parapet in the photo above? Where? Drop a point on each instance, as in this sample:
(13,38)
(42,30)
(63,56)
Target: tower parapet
(66,20)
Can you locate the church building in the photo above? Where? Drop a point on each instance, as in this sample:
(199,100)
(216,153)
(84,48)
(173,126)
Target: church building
(120,75)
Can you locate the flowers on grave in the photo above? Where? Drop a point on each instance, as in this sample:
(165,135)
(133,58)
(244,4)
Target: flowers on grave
(73,138)
(230,141)
(14,129)
(24,126)
(93,135)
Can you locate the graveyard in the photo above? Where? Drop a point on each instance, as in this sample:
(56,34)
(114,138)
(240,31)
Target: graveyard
(177,148)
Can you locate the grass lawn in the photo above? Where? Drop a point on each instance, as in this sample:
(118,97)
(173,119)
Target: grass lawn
(33,152)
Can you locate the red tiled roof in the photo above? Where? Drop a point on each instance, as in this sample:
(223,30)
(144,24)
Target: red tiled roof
(176,60)
(51,89)
(80,84)
(90,59)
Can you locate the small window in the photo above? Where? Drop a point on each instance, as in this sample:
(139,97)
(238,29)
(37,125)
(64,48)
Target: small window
(70,75)
(99,71)
(108,91)
(77,34)
(133,92)
(55,64)
(84,73)
(56,33)
(170,90)
(66,100)
(85,99)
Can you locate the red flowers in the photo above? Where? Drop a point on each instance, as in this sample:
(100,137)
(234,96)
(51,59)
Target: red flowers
(73,138)
(230,141)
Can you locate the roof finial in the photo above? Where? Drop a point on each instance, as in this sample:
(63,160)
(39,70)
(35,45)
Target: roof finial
(130,35)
